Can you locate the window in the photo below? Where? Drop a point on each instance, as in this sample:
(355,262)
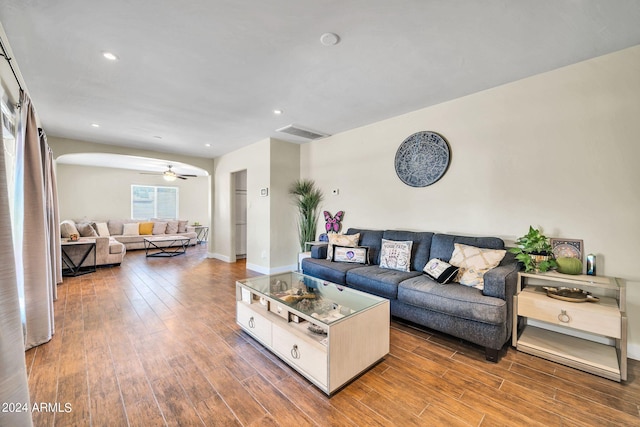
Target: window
(149,201)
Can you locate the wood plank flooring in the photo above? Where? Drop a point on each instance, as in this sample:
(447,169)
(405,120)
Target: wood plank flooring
(154,343)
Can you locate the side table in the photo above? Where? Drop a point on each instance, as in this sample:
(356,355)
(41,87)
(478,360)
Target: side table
(590,336)
(72,251)
(202,233)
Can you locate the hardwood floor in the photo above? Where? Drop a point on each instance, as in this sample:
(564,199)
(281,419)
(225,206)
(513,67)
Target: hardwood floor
(154,342)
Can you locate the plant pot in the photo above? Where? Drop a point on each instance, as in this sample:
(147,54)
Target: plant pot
(537,259)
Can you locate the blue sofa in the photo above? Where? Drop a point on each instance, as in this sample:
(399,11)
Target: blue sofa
(483,317)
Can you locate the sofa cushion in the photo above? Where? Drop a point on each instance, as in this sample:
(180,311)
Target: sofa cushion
(145,228)
(378,281)
(420,251)
(86,230)
(324,269)
(159,227)
(172,227)
(103,230)
(115,247)
(442,244)
(371,239)
(396,255)
(454,299)
(182,225)
(131,229)
(68,227)
(358,255)
(116,226)
(474,262)
(342,240)
(440,271)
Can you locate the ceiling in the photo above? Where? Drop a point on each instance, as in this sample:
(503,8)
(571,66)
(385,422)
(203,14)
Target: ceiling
(212,71)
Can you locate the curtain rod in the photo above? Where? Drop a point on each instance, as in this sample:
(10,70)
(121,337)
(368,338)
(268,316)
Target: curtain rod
(5,55)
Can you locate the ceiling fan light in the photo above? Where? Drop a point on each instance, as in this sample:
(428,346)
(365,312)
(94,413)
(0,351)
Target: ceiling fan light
(169,177)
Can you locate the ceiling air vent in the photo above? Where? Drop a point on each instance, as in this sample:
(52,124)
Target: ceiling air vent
(302,132)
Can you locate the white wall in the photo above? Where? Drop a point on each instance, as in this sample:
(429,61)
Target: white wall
(558,150)
(271,232)
(105,193)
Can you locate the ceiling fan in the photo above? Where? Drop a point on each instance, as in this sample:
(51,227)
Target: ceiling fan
(169,174)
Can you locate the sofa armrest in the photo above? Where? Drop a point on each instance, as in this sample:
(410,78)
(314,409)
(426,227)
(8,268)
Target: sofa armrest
(500,282)
(191,229)
(319,251)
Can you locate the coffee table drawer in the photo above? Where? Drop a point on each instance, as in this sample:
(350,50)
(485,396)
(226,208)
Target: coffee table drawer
(253,322)
(306,356)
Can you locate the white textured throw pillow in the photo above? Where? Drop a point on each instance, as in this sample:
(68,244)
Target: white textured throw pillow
(474,262)
(350,240)
(103,230)
(396,255)
(131,229)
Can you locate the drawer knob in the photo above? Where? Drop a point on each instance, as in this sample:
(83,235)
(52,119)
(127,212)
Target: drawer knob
(564,317)
(294,352)
(252,323)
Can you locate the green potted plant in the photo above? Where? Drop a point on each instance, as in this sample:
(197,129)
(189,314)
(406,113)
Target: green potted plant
(307,199)
(534,251)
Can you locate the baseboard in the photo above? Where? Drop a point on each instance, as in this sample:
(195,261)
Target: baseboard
(257,268)
(274,270)
(218,256)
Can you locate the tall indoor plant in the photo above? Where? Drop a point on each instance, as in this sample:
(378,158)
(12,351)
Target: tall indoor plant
(307,199)
(534,251)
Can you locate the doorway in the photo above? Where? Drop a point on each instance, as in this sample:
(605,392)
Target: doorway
(240,217)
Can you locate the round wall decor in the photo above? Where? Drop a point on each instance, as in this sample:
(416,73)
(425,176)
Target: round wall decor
(422,159)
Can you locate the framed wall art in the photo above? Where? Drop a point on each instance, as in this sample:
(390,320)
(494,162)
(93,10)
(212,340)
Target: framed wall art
(571,248)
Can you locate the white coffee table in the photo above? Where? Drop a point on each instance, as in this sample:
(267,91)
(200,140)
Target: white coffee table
(351,327)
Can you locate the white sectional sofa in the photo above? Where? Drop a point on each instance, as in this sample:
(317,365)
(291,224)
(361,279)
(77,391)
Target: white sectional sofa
(114,237)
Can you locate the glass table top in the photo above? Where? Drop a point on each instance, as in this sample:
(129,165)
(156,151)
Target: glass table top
(324,301)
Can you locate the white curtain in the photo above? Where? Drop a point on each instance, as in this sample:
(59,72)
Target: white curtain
(39,233)
(13,371)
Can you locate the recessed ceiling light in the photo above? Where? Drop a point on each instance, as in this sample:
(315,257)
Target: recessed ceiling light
(329,39)
(278,112)
(110,56)
(95,125)
(207,145)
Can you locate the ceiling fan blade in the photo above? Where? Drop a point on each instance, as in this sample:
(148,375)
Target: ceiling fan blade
(151,173)
(189,176)
(180,176)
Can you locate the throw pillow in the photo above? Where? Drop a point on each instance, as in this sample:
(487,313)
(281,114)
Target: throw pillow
(350,240)
(130,229)
(116,226)
(146,228)
(396,255)
(103,230)
(182,226)
(474,262)
(357,255)
(86,230)
(440,271)
(159,227)
(172,227)
(68,227)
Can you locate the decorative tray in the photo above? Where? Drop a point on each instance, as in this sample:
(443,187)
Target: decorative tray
(570,294)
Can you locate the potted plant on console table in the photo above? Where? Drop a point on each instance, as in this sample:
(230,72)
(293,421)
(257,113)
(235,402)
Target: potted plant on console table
(534,251)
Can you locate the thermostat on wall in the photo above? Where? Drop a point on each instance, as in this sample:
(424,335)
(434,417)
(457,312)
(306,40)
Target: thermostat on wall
(264,192)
